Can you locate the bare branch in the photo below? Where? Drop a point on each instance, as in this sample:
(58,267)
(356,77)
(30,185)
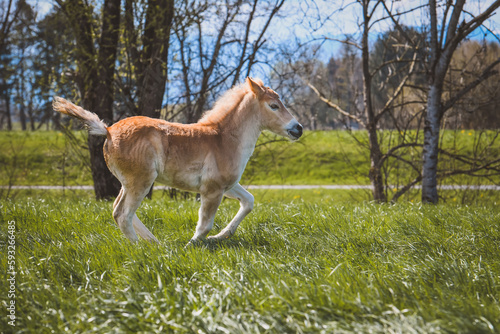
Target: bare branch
(394,149)
(472,170)
(331,104)
(245,42)
(452,25)
(344,41)
(407,187)
(398,89)
(396,22)
(445,16)
(434,34)
(467,27)
(488,72)
(259,42)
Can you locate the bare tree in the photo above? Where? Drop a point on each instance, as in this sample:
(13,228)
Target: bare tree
(372,115)
(95,78)
(446,33)
(9,13)
(149,57)
(235,31)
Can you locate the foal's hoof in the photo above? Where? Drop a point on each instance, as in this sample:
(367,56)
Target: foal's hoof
(221,236)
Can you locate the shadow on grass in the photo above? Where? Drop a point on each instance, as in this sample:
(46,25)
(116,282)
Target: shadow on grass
(231,243)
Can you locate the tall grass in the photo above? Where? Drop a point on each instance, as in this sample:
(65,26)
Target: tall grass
(293,266)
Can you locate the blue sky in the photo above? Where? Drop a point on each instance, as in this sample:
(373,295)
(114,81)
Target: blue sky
(307,20)
(336,19)
(345,15)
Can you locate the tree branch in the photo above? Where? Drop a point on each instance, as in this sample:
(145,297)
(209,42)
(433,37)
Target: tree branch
(467,27)
(333,105)
(488,72)
(407,187)
(472,170)
(398,90)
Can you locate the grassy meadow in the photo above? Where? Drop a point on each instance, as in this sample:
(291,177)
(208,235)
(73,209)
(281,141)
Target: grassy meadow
(295,265)
(304,261)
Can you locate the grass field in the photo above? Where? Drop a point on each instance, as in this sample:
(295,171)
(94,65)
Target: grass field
(295,265)
(308,261)
(320,157)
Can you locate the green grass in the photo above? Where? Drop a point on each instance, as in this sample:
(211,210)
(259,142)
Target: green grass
(295,265)
(43,158)
(50,158)
(319,157)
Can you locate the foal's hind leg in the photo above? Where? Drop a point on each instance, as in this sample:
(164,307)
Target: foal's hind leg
(139,227)
(126,205)
(143,230)
(246,205)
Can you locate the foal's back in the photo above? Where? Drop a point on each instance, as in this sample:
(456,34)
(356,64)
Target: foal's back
(175,153)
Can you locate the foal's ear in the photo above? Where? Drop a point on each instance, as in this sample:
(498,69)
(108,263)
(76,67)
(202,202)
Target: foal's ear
(257,88)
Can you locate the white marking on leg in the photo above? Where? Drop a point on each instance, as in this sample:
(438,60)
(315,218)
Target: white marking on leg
(246,205)
(143,230)
(209,205)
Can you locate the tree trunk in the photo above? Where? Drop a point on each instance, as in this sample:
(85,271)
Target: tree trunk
(22,116)
(431,145)
(155,56)
(375,170)
(441,51)
(106,186)
(96,81)
(30,112)
(20,95)
(153,75)
(7,111)
(371,125)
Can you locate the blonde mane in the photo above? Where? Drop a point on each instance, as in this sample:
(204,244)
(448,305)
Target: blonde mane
(226,103)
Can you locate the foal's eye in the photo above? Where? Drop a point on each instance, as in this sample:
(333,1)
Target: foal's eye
(274,106)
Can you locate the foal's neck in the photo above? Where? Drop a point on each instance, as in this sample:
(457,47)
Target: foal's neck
(242,124)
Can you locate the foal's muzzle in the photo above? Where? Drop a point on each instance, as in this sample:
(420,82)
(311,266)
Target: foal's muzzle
(296,131)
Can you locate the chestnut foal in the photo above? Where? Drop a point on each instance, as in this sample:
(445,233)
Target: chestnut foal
(207,157)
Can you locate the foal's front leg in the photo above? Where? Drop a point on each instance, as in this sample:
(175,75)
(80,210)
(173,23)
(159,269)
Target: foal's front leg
(246,205)
(209,204)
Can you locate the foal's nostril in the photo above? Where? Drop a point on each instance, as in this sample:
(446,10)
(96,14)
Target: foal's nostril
(298,128)
(295,131)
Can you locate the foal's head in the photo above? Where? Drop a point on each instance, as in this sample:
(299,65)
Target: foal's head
(275,117)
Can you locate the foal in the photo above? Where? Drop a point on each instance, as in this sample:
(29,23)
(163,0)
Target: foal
(207,157)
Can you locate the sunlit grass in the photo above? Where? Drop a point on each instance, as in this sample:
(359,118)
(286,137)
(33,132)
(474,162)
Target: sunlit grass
(295,265)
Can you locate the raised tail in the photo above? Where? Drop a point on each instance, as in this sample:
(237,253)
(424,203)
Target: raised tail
(91,120)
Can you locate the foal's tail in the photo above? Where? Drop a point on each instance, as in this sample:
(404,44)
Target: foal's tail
(91,120)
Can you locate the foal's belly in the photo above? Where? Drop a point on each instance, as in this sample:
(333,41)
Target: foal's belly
(183,180)
(199,178)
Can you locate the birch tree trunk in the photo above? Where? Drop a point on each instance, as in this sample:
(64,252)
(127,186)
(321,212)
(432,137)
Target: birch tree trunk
(431,145)
(444,39)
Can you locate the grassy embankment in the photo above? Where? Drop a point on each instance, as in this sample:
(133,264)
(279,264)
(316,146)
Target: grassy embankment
(333,157)
(321,157)
(48,158)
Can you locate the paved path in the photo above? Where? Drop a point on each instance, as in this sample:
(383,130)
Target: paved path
(296,187)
